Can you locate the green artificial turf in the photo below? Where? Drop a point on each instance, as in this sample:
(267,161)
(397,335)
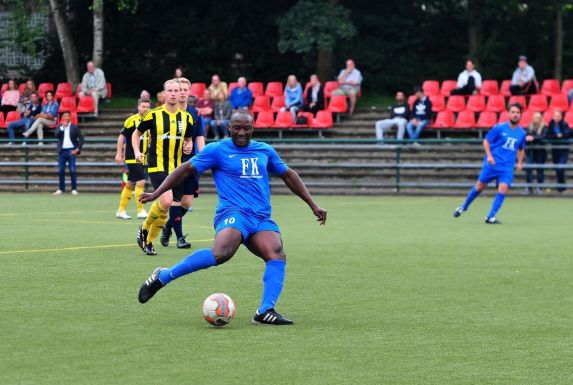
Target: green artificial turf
(392,290)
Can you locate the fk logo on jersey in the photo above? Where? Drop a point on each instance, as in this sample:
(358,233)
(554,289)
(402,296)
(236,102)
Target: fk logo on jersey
(250,168)
(510,144)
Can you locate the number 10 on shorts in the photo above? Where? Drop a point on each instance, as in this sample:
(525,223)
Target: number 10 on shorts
(229,221)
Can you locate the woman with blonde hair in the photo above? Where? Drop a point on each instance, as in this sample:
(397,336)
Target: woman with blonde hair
(535,151)
(293,97)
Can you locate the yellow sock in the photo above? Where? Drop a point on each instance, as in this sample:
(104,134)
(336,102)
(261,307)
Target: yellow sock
(125,197)
(138,192)
(154,212)
(157,225)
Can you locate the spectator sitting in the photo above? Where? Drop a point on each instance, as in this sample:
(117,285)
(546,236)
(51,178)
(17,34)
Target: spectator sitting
(29,90)
(217,85)
(10,98)
(47,117)
(420,115)
(94,84)
(70,142)
(536,132)
(314,96)
(293,96)
(160,99)
(398,118)
(206,107)
(469,81)
(523,81)
(31,110)
(349,79)
(241,97)
(178,72)
(145,95)
(221,116)
(559,131)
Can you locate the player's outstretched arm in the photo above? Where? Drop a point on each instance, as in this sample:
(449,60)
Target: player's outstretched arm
(488,154)
(297,186)
(172,180)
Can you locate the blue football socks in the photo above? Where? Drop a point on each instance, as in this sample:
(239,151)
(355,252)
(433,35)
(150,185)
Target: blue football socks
(496,205)
(273,280)
(199,260)
(470,198)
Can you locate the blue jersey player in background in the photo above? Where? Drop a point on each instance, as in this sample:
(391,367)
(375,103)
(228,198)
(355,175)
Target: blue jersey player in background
(502,143)
(241,170)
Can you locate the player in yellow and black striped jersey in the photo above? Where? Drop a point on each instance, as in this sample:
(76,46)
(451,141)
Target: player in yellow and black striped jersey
(170,136)
(126,155)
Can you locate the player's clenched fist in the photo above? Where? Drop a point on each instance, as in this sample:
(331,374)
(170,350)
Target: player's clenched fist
(320,213)
(147,197)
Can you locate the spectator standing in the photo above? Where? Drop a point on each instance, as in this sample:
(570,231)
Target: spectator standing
(222,115)
(535,153)
(160,99)
(10,98)
(94,84)
(293,96)
(399,115)
(206,108)
(31,110)
(469,80)
(217,85)
(314,96)
(70,142)
(420,115)
(241,96)
(47,117)
(560,132)
(178,72)
(349,79)
(523,81)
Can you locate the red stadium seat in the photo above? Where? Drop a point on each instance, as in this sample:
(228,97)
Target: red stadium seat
(476,103)
(278,103)
(309,119)
(257,88)
(559,102)
(517,99)
(504,89)
(12,116)
(323,119)
(109,90)
(74,117)
(43,87)
(489,87)
(78,90)
(495,103)
(68,103)
(86,105)
(550,87)
(232,86)
(566,86)
(330,86)
(466,119)
(4,88)
(274,89)
(261,103)
(503,117)
(448,86)
(431,87)
(63,90)
(538,102)
(411,100)
(438,103)
(526,116)
(487,119)
(569,118)
(445,119)
(22,88)
(197,89)
(456,103)
(264,119)
(2,125)
(283,120)
(338,104)
(547,116)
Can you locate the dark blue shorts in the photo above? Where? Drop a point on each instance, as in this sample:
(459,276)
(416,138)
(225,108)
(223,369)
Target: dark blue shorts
(500,174)
(246,224)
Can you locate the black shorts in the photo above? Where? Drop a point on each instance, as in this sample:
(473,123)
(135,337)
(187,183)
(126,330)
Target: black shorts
(158,177)
(191,185)
(135,172)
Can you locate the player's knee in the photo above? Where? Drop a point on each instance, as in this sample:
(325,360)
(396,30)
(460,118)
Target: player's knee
(276,255)
(223,254)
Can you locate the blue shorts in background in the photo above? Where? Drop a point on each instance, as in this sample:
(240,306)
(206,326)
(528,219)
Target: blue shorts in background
(500,174)
(246,224)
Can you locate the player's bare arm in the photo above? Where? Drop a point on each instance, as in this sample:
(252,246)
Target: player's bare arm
(520,156)
(487,149)
(200,143)
(135,138)
(297,186)
(120,151)
(188,146)
(177,176)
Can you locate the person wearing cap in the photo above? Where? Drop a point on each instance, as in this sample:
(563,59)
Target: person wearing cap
(469,80)
(420,115)
(523,81)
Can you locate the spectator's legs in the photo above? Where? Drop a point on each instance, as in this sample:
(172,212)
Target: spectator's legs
(95,95)
(528,171)
(401,123)
(410,128)
(352,97)
(12,126)
(206,124)
(560,157)
(62,169)
(540,156)
(293,111)
(471,86)
(420,127)
(72,165)
(516,90)
(38,125)
(382,125)
(223,130)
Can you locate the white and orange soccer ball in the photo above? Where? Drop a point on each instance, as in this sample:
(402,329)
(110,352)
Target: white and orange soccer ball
(219,309)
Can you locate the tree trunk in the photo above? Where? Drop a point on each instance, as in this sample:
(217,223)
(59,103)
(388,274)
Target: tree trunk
(66,42)
(558,68)
(324,64)
(97,56)
(473,29)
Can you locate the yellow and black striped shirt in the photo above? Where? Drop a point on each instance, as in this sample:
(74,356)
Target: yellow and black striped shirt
(167,133)
(129,127)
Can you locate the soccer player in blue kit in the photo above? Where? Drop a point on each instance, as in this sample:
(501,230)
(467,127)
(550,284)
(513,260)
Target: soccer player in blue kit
(501,145)
(241,168)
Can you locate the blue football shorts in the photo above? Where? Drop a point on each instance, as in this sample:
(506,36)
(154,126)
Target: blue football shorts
(246,224)
(500,174)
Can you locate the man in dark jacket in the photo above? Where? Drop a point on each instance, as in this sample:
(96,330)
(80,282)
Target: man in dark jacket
(559,131)
(314,96)
(70,142)
(421,114)
(399,114)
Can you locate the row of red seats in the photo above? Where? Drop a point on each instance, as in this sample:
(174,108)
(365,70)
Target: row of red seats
(62,89)
(261,103)
(466,119)
(491,87)
(495,103)
(272,89)
(13,116)
(265,119)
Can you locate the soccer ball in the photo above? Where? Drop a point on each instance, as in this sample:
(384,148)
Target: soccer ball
(219,309)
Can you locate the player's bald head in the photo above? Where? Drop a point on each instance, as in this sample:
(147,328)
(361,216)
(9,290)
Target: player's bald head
(242,115)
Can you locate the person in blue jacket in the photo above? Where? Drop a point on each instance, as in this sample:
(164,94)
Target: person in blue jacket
(293,97)
(241,96)
(420,115)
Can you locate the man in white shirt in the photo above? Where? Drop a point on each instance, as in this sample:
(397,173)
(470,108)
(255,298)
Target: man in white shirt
(523,81)
(70,142)
(349,79)
(469,81)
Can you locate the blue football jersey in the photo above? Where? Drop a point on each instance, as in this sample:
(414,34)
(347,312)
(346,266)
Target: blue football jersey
(241,174)
(505,142)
